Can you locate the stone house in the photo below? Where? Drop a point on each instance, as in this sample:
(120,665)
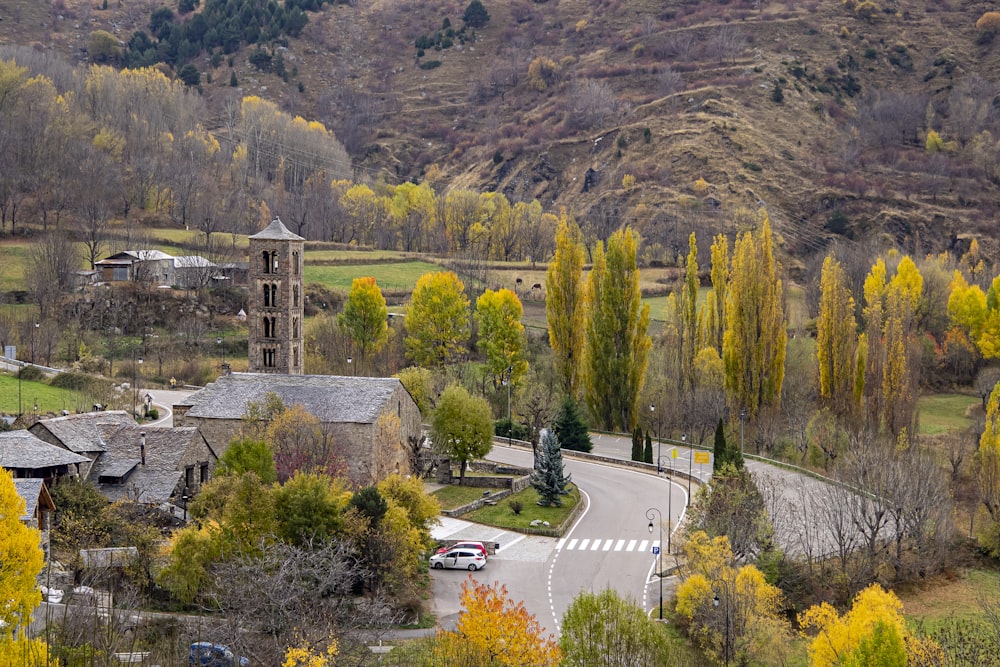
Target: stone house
(150,465)
(374,422)
(29,457)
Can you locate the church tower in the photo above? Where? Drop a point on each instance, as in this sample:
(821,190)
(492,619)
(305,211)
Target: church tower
(275,319)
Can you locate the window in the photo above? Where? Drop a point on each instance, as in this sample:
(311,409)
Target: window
(267,296)
(270,331)
(274,296)
(295,295)
(266,256)
(120,273)
(267,355)
(295,263)
(274,262)
(295,352)
(203,472)
(189,476)
(295,327)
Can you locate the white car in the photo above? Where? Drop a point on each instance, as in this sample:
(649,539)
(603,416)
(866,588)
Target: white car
(464,559)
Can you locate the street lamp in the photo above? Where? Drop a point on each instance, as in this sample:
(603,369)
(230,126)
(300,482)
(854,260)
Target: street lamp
(350,361)
(505,379)
(659,445)
(136,375)
(185,499)
(684,439)
(670,513)
(725,649)
(649,515)
(33,343)
(743,418)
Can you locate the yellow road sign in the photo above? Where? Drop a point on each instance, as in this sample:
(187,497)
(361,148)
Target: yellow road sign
(701,457)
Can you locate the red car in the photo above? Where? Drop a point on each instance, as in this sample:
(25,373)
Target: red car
(478,546)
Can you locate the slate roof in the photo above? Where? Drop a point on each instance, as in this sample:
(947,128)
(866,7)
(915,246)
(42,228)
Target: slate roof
(154,482)
(29,489)
(276,231)
(84,432)
(192,262)
(331,398)
(129,256)
(22,450)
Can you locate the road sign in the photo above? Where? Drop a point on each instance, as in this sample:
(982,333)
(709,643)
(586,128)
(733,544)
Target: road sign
(701,457)
(656,550)
(673,453)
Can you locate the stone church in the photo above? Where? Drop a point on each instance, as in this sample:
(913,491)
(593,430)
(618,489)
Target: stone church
(374,421)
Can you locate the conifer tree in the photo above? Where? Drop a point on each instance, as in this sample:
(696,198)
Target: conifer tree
(719,449)
(570,428)
(647,452)
(547,478)
(636,444)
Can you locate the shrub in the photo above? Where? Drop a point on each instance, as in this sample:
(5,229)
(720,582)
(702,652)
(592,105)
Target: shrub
(628,182)
(516,506)
(777,94)
(989,22)
(103,47)
(190,75)
(261,59)
(233,81)
(31,374)
(153,414)
(430,64)
(475,15)
(934,142)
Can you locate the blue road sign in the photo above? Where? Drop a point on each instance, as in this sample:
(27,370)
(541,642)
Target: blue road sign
(656,551)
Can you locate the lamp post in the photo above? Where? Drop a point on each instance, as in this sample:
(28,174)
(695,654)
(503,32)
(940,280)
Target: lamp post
(350,367)
(185,499)
(505,379)
(20,368)
(222,349)
(659,445)
(33,342)
(136,375)
(743,418)
(670,513)
(725,649)
(684,439)
(649,515)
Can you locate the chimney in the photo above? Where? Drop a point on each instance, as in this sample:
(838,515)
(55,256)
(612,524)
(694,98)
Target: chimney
(142,447)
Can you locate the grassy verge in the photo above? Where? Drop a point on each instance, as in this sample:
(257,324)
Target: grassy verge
(49,399)
(940,413)
(501,515)
(935,603)
(454,496)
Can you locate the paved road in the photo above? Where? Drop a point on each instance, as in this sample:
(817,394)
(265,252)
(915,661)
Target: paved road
(163,401)
(609,546)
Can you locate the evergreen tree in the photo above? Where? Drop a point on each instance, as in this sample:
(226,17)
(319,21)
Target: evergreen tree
(636,445)
(547,478)
(719,450)
(570,428)
(647,453)
(475,15)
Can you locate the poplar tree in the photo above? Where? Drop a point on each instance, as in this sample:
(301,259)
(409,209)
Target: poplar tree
(988,473)
(365,317)
(689,306)
(565,304)
(20,562)
(437,320)
(753,348)
(836,338)
(720,281)
(617,345)
(501,335)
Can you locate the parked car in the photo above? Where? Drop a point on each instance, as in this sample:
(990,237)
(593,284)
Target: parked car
(207,654)
(477,546)
(470,559)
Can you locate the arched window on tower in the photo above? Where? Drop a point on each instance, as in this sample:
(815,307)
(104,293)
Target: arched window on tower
(274,262)
(295,296)
(295,327)
(267,356)
(295,263)
(266,256)
(274,295)
(295,355)
(267,295)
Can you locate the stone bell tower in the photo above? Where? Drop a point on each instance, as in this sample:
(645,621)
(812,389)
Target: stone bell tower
(275,319)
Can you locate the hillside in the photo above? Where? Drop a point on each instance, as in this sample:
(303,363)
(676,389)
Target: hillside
(818,111)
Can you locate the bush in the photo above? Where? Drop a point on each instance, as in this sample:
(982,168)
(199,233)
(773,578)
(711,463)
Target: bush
(190,75)
(153,414)
(475,15)
(261,59)
(31,374)
(989,22)
(504,428)
(516,506)
(103,47)
(430,64)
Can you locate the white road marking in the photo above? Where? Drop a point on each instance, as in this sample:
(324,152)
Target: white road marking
(621,543)
(607,545)
(596,545)
(631,545)
(584,543)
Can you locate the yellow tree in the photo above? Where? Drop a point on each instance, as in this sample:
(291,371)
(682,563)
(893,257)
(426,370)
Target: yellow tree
(730,610)
(565,304)
(872,632)
(753,346)
(720,279)
(689,307)
(437,320)
(20,562)
(501,335)
(966,306)
(988,473)
(836,338)
(493,630)
(989,339)
(616,346)
(365,317)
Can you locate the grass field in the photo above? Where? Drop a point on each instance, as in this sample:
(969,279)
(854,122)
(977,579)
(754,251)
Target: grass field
(13,257)
(453,496)
(49,399)
(355,255)
(502,516)
(940,413)
(394,276)
(959,598)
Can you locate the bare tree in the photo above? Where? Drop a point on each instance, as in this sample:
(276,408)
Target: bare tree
(52,263)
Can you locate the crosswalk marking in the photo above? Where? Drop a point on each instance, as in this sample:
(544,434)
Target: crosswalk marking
(607,544)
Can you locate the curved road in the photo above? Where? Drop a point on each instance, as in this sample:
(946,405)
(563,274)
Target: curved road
(610,545)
